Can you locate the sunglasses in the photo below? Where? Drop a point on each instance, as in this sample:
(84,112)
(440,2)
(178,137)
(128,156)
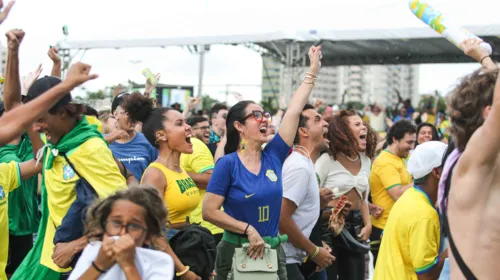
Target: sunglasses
(258,116)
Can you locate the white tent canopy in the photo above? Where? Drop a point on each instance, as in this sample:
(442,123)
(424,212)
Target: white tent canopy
(369,34)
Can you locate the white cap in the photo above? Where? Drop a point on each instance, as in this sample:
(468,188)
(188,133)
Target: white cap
(425,158)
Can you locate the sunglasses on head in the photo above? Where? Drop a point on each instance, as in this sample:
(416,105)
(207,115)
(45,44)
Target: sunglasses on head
(258,116)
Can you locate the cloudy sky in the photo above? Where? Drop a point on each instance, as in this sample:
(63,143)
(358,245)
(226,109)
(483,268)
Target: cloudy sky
(125,19)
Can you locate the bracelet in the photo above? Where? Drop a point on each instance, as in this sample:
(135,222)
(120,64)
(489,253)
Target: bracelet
(98,269)
(182,272)
(246,229)
(481,62)
(311,74)
(315,254)
(310,82)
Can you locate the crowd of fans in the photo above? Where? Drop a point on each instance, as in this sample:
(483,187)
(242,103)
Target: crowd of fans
(142,191)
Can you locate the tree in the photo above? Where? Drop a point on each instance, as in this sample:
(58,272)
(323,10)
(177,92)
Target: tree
(268,106)
(207,102)
(355,105)
(427,101)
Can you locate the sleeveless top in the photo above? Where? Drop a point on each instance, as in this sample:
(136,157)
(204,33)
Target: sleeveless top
(332,174)
(181,195)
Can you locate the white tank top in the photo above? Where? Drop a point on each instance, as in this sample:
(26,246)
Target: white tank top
(331,174)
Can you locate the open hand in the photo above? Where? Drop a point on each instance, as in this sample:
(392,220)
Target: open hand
(257,244)
(315,59)
(193,102)
(14,38)
(5,12)
(149,86)
(53,53)
(31,78)
(79,73)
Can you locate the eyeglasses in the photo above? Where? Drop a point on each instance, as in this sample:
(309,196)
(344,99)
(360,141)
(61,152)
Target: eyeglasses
(258,116)
(115,227)
(202,128)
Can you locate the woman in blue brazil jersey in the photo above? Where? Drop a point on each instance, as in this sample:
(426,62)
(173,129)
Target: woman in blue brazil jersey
(247,180)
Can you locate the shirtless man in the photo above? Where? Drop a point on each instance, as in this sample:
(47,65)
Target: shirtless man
(473,205)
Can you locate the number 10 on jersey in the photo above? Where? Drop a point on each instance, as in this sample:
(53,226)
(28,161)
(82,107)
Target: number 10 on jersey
(263,214)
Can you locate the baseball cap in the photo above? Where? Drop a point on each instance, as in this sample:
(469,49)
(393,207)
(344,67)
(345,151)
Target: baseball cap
(425,158)
(118,100)
(44,84)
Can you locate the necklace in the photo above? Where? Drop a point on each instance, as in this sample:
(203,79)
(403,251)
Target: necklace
(355,159)
(302,150)
(167,163)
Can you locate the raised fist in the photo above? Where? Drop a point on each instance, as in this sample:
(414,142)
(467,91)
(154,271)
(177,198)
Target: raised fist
(53,53)
(14,38)
(79,73)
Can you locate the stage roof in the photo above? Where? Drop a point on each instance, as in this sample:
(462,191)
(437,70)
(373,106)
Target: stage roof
(377,34)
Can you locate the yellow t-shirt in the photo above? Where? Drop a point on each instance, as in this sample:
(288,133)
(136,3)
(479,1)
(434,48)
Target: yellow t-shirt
(388,171)
(181,196)
(410,244)
(94,161)
(10,179)
(201,160)
(95,122)
(431,119)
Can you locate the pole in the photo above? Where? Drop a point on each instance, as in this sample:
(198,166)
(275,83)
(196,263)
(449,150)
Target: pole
(201,67)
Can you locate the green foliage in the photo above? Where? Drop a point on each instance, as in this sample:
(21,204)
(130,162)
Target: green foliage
(269,105)
(356,105)
(207,102)
(428,101)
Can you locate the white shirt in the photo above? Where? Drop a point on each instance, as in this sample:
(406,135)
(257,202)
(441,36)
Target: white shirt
(151,264)
(333,175)
(300,186)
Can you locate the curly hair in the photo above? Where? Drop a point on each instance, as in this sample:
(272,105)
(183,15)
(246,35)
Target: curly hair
(155,213)
(342,139)
(371,141)
(466,103)
(141,108)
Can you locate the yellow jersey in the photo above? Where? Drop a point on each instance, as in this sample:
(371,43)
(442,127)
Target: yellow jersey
(181,195)
(411,239)
(388,171)
(94,161)
(95,122)
(10,179)
(201,160)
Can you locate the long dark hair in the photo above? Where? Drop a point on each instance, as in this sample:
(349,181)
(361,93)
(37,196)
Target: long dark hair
(140,108)
(236,113)
(435,135)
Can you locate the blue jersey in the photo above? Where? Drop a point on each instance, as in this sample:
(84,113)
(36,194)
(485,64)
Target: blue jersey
(250,198)
(136,155)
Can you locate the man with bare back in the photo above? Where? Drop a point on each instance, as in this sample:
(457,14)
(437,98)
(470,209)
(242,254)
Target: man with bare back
(471,220)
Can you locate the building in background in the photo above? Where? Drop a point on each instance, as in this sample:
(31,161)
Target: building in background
(366,84)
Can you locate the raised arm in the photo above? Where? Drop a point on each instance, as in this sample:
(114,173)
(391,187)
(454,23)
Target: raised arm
(473,49)
(12,87)
(483,148)
(13,123)
(288,126)
(53,53)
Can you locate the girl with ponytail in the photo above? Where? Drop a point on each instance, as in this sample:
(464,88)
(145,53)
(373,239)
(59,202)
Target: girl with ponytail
(166,129)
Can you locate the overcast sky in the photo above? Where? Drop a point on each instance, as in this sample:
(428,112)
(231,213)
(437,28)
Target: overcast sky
(125,19)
